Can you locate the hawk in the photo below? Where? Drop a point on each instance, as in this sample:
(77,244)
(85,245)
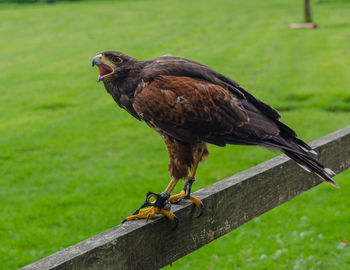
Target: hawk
(191,105)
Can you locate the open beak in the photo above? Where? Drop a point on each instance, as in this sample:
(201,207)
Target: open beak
(104,68)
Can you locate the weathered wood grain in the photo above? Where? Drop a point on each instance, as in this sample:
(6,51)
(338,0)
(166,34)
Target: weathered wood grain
(229,204)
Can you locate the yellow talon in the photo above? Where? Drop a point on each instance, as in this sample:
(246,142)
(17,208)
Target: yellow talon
(159,205)
(150,213)
(182,195)
(168,214)
(196,201)
(177,196)
(193,199)
(145,213)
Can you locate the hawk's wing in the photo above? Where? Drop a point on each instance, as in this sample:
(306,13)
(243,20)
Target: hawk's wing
(192,110)
(182,67)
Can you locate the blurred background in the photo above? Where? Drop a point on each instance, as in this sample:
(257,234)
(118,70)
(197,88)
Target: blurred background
(73,164)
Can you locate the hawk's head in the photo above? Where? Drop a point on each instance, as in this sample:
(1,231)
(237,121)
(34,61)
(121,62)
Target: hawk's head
(110,63)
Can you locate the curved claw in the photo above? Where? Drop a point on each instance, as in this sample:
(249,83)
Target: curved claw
(201,209)
(176,220)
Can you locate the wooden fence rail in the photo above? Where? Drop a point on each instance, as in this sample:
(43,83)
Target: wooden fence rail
(229,204)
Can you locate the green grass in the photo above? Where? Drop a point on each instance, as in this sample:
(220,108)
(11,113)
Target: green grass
(72,164)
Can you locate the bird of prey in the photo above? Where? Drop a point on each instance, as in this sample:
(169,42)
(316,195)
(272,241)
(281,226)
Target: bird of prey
(190,105)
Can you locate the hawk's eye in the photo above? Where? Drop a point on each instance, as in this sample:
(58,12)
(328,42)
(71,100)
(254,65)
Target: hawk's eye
(117,59)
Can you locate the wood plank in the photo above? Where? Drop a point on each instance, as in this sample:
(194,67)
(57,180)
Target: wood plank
(229,204)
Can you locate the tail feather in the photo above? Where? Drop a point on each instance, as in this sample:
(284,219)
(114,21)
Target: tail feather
(309,165)
(296,146)
(301,152)
(292,146)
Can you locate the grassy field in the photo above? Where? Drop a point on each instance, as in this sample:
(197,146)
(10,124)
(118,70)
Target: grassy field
(72,164)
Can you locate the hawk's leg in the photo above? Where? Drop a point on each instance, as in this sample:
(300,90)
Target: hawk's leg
(186,192)
(157,204)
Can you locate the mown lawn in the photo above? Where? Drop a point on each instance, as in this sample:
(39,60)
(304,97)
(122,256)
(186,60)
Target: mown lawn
(72,164)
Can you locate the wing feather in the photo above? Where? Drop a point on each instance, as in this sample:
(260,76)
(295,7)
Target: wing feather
(177,66)
(189,109)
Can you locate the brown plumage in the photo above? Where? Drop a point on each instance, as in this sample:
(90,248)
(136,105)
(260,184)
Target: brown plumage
(190,105)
